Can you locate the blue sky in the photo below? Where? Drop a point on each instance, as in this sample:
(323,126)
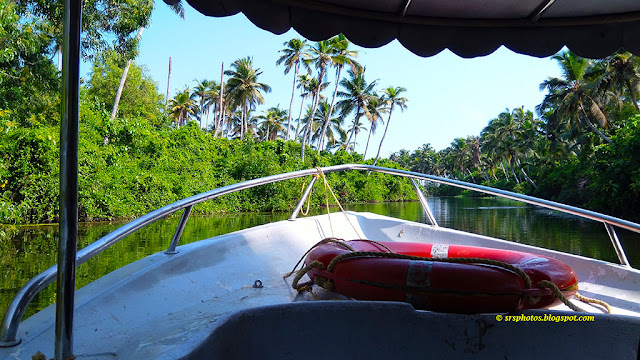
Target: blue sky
(448,96)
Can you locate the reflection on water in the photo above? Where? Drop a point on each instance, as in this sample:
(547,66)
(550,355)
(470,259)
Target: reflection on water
(26,251)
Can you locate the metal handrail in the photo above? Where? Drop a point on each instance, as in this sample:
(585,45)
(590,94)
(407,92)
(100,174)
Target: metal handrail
(15,312)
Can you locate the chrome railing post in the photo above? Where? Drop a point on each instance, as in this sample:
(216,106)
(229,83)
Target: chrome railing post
(69,137)
(616,245)
(423,201)
(304,197)
(176,237)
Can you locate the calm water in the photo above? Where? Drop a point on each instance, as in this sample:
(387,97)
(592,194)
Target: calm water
(26,251)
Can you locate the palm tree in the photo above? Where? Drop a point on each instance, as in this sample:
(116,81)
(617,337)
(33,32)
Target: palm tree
(391,96)
(294,56)
(572,97)
(343,56)
(619,72)
(272,122)
(239,128)
(355,129)
(244,89)
(177,8)
(182,106)
(356,95)
(510,139)
(212,99)
(498,140)
(376,108)
(337,140)
(234,124)
(311,128)
(331,131)
(225,110)
(321,55)
(460,157)
(201,92)
(424,160)
(344,145)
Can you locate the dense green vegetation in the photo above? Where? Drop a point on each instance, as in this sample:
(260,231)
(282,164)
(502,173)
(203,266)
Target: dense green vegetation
(582,149)
(139,151)
(142,167)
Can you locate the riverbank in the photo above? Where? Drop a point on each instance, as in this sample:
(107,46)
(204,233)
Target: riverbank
(132,168)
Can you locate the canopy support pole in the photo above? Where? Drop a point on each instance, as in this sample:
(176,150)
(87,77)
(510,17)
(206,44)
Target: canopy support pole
(67,246)
(423,201)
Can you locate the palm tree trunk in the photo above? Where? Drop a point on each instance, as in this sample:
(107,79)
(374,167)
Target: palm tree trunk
(333,100)
(473,180)
(364,157)
(633,95)
(299,118)
(220,107)
(314,104)
(313,113)
(201,111)
(293,93)
(310,132)
(593,128)
(597,131)
(59,49)
(354,126)
(218,122)
(485,175)
(304,141)
(513,172)
(355,139)
(307,129)
(384,134)
(223,123)
(214,124)
(123,79)
(506,175)
(526,176)
(242,115)
(166,97)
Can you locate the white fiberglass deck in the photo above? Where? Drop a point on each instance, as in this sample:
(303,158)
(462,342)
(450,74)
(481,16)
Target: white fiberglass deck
(168,306)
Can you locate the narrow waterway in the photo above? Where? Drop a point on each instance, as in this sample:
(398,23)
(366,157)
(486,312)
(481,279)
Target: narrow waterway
(26,251)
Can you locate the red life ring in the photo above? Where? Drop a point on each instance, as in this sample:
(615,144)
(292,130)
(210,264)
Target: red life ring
(437,285)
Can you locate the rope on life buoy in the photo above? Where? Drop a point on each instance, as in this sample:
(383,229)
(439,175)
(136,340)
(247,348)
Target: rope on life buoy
(556,291)
(329,285)
(314,265)
(525,278)
(334,240)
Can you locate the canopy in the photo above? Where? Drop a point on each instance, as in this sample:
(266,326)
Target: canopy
(469,28)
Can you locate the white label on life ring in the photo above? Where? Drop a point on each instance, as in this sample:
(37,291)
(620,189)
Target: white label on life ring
(440,251)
